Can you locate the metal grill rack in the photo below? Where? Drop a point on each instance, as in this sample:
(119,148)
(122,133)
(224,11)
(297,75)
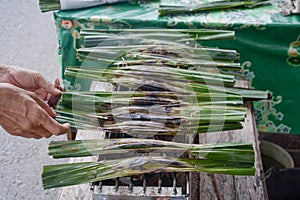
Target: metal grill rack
(146,186)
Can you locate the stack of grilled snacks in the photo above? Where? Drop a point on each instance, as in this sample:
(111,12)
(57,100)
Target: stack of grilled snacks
(170,86)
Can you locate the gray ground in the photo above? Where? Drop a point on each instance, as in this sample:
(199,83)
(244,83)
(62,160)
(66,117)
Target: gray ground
(27,39)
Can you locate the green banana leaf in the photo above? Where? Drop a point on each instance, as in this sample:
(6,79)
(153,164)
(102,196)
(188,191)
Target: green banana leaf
(81,148)
(78,173)
(167,7)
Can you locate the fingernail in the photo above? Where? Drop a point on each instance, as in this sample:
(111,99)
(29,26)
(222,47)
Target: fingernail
(57,82)
(67,125)
(57,90)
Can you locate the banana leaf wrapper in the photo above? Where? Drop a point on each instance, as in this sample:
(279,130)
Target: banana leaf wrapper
(78,173)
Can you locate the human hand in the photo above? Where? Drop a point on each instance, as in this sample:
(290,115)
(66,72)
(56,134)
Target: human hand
(24,113)
(28,80)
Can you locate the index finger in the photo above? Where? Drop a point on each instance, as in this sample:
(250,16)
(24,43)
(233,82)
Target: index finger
(41,82)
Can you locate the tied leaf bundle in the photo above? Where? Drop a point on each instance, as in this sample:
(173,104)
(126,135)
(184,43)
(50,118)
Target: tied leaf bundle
(81,148)
(213,108)
(50,5)
(168,7)
(78,173)
(227,158)
(152,46)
